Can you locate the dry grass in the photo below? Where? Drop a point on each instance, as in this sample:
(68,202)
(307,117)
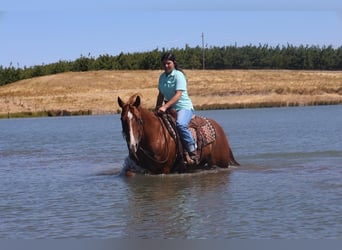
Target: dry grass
(98,90)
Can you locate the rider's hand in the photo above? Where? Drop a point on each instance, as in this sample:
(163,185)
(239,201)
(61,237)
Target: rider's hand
(162,109)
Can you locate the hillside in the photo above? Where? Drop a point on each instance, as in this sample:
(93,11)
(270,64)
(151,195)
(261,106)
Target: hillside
(97,91)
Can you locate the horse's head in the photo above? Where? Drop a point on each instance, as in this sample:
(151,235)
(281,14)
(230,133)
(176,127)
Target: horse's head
(131,123)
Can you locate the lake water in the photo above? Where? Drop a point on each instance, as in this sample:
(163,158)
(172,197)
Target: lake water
(59,179)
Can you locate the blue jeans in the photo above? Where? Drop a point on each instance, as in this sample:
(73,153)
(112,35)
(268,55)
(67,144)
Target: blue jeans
(183,118)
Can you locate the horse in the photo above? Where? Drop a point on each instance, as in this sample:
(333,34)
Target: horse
(153,148)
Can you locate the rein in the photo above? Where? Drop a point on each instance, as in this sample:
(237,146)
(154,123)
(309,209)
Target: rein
(149,154)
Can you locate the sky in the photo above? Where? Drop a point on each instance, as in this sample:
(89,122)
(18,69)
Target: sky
(36,32)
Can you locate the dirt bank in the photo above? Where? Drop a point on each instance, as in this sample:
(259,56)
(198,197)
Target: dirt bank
(97,91)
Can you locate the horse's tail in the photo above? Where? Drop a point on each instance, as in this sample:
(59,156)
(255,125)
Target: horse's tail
(232,161)
(224,145)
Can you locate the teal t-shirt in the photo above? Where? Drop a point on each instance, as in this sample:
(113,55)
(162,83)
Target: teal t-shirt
(168,84)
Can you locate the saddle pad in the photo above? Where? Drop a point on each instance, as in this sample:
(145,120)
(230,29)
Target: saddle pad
(202,130)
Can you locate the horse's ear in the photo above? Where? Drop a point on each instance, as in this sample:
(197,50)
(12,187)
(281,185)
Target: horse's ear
(137,101)
(120,102)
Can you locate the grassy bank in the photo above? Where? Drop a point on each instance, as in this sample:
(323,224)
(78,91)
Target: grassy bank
(96,92)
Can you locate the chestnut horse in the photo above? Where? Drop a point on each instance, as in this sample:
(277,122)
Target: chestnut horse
(152,147)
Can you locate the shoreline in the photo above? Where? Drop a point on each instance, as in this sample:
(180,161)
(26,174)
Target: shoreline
(64,113)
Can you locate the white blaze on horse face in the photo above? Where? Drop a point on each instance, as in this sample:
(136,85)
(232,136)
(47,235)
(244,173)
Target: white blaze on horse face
(133,144)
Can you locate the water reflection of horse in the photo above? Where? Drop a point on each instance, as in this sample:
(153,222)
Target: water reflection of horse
(192,198)
(152,147)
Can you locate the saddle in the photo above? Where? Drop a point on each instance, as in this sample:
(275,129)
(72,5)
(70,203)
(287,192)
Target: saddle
(201,128)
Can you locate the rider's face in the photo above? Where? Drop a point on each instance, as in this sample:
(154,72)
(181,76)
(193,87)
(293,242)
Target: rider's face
(168,66)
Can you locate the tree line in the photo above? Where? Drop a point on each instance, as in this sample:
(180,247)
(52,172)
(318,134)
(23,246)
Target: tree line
(226,57)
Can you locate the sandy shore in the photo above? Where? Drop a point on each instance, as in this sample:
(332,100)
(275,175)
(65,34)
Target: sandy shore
(97,91)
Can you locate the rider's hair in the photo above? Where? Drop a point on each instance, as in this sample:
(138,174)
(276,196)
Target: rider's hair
(171,57)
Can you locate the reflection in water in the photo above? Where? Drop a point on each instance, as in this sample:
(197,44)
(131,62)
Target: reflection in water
(173,206)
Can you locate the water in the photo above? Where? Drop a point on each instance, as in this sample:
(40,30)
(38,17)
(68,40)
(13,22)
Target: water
(59,179)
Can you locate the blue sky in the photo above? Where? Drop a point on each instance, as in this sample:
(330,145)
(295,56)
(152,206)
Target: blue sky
(39,32)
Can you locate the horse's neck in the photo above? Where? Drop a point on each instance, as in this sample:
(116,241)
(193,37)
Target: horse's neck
(148,118)
(151,123)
